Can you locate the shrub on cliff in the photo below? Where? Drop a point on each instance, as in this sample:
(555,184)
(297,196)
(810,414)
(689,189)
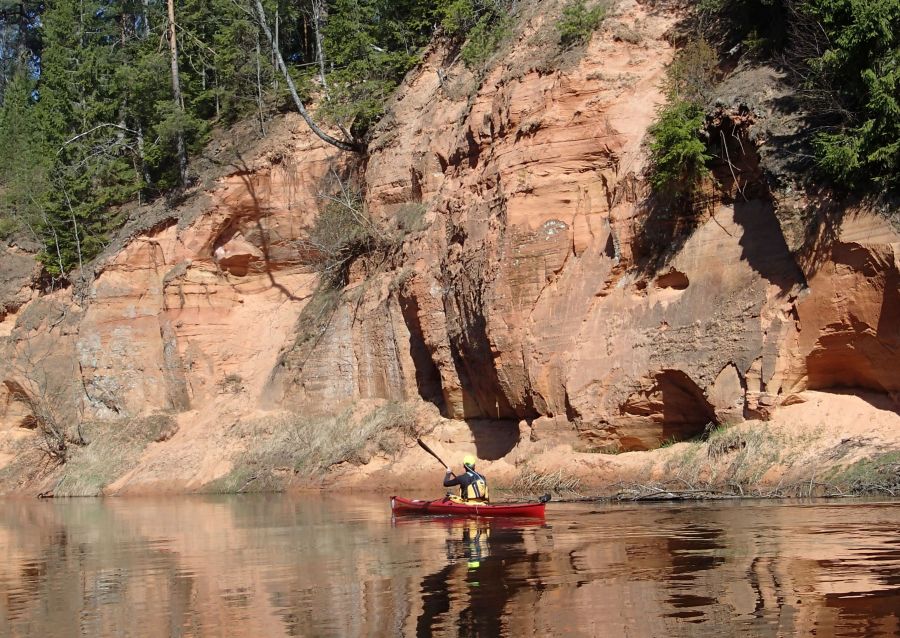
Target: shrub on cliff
(678,155)
(484,40)
(678,151)
(844,56)
(859,57)
(343,231)
(757,26)
(693,73)
(577,23)
(482,25)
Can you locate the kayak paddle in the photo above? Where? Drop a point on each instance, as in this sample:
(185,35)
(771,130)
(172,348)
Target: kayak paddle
(431,452)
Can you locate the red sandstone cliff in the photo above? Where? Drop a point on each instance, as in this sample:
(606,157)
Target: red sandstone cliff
(525,301)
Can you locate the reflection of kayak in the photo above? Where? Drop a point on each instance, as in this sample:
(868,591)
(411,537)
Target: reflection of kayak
(452,522)
(400,505)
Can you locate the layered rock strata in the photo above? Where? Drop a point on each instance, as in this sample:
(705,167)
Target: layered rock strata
(520,287)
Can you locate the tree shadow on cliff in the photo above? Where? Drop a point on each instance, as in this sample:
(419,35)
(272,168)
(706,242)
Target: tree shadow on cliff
(662,227)
(428,377)
(245,173)
(820,224)
(764,248)
(474,359)
(736,180)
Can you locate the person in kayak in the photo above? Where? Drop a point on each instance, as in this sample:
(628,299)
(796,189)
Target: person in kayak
(472,485)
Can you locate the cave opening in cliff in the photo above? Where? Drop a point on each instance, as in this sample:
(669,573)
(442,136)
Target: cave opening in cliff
(851,365)
(686,412)
(856,349)
(494,439)
(674,279)
(673,408)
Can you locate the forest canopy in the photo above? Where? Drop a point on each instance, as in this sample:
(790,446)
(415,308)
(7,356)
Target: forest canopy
(104,102)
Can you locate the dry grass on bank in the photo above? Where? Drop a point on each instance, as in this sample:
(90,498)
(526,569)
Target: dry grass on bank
(531,481)
(735,457)
(744,461)
(294,446)
(113,449)
(878,474)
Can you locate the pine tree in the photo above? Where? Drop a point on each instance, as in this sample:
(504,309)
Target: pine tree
(369,46)
(862,62)
(20,42)
(81,122)
(97,121)
(23,166)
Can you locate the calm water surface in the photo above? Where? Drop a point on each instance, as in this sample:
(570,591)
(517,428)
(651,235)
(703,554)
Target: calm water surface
(307,566)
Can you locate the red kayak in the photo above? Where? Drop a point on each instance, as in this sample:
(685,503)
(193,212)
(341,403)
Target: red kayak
(400,505)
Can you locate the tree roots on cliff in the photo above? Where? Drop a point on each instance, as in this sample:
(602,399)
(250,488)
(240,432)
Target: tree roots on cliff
(53,409)
(344,232)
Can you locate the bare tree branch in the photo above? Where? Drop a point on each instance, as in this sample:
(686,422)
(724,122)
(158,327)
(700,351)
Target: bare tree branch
(344,145)
(29,381)
(89,131)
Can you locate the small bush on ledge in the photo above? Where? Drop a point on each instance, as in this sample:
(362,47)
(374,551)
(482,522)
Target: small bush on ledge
(343,232)
(678,155)
(578,23)
(679,151)
(481,25)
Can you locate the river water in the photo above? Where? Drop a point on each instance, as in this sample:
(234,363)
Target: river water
(277,565)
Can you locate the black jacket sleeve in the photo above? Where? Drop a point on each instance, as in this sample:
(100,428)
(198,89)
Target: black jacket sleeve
(450,480)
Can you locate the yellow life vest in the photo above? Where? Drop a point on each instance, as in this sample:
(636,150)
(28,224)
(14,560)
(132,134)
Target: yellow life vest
(477,490)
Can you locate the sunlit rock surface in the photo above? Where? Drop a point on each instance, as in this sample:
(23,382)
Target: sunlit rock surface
(522,290)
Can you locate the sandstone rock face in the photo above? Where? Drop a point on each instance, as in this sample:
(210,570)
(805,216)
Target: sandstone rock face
(179,312)
(529,297)
(17,269)
(846,331)
(519,290)
(528,291)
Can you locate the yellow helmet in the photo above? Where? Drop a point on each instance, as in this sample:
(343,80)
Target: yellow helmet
(469,460)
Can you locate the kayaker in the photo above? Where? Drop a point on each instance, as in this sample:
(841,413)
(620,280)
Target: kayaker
(472,485)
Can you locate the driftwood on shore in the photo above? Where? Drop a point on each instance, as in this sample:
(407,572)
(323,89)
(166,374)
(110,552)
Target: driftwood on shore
(681,490)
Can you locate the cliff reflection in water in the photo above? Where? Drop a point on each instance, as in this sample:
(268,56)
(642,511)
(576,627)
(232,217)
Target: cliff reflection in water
(306,566)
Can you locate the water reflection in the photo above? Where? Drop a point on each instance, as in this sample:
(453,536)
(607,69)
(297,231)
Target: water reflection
(472,590)
(307,566)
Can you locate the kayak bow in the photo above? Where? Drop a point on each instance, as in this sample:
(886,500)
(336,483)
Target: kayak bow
(400,505)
